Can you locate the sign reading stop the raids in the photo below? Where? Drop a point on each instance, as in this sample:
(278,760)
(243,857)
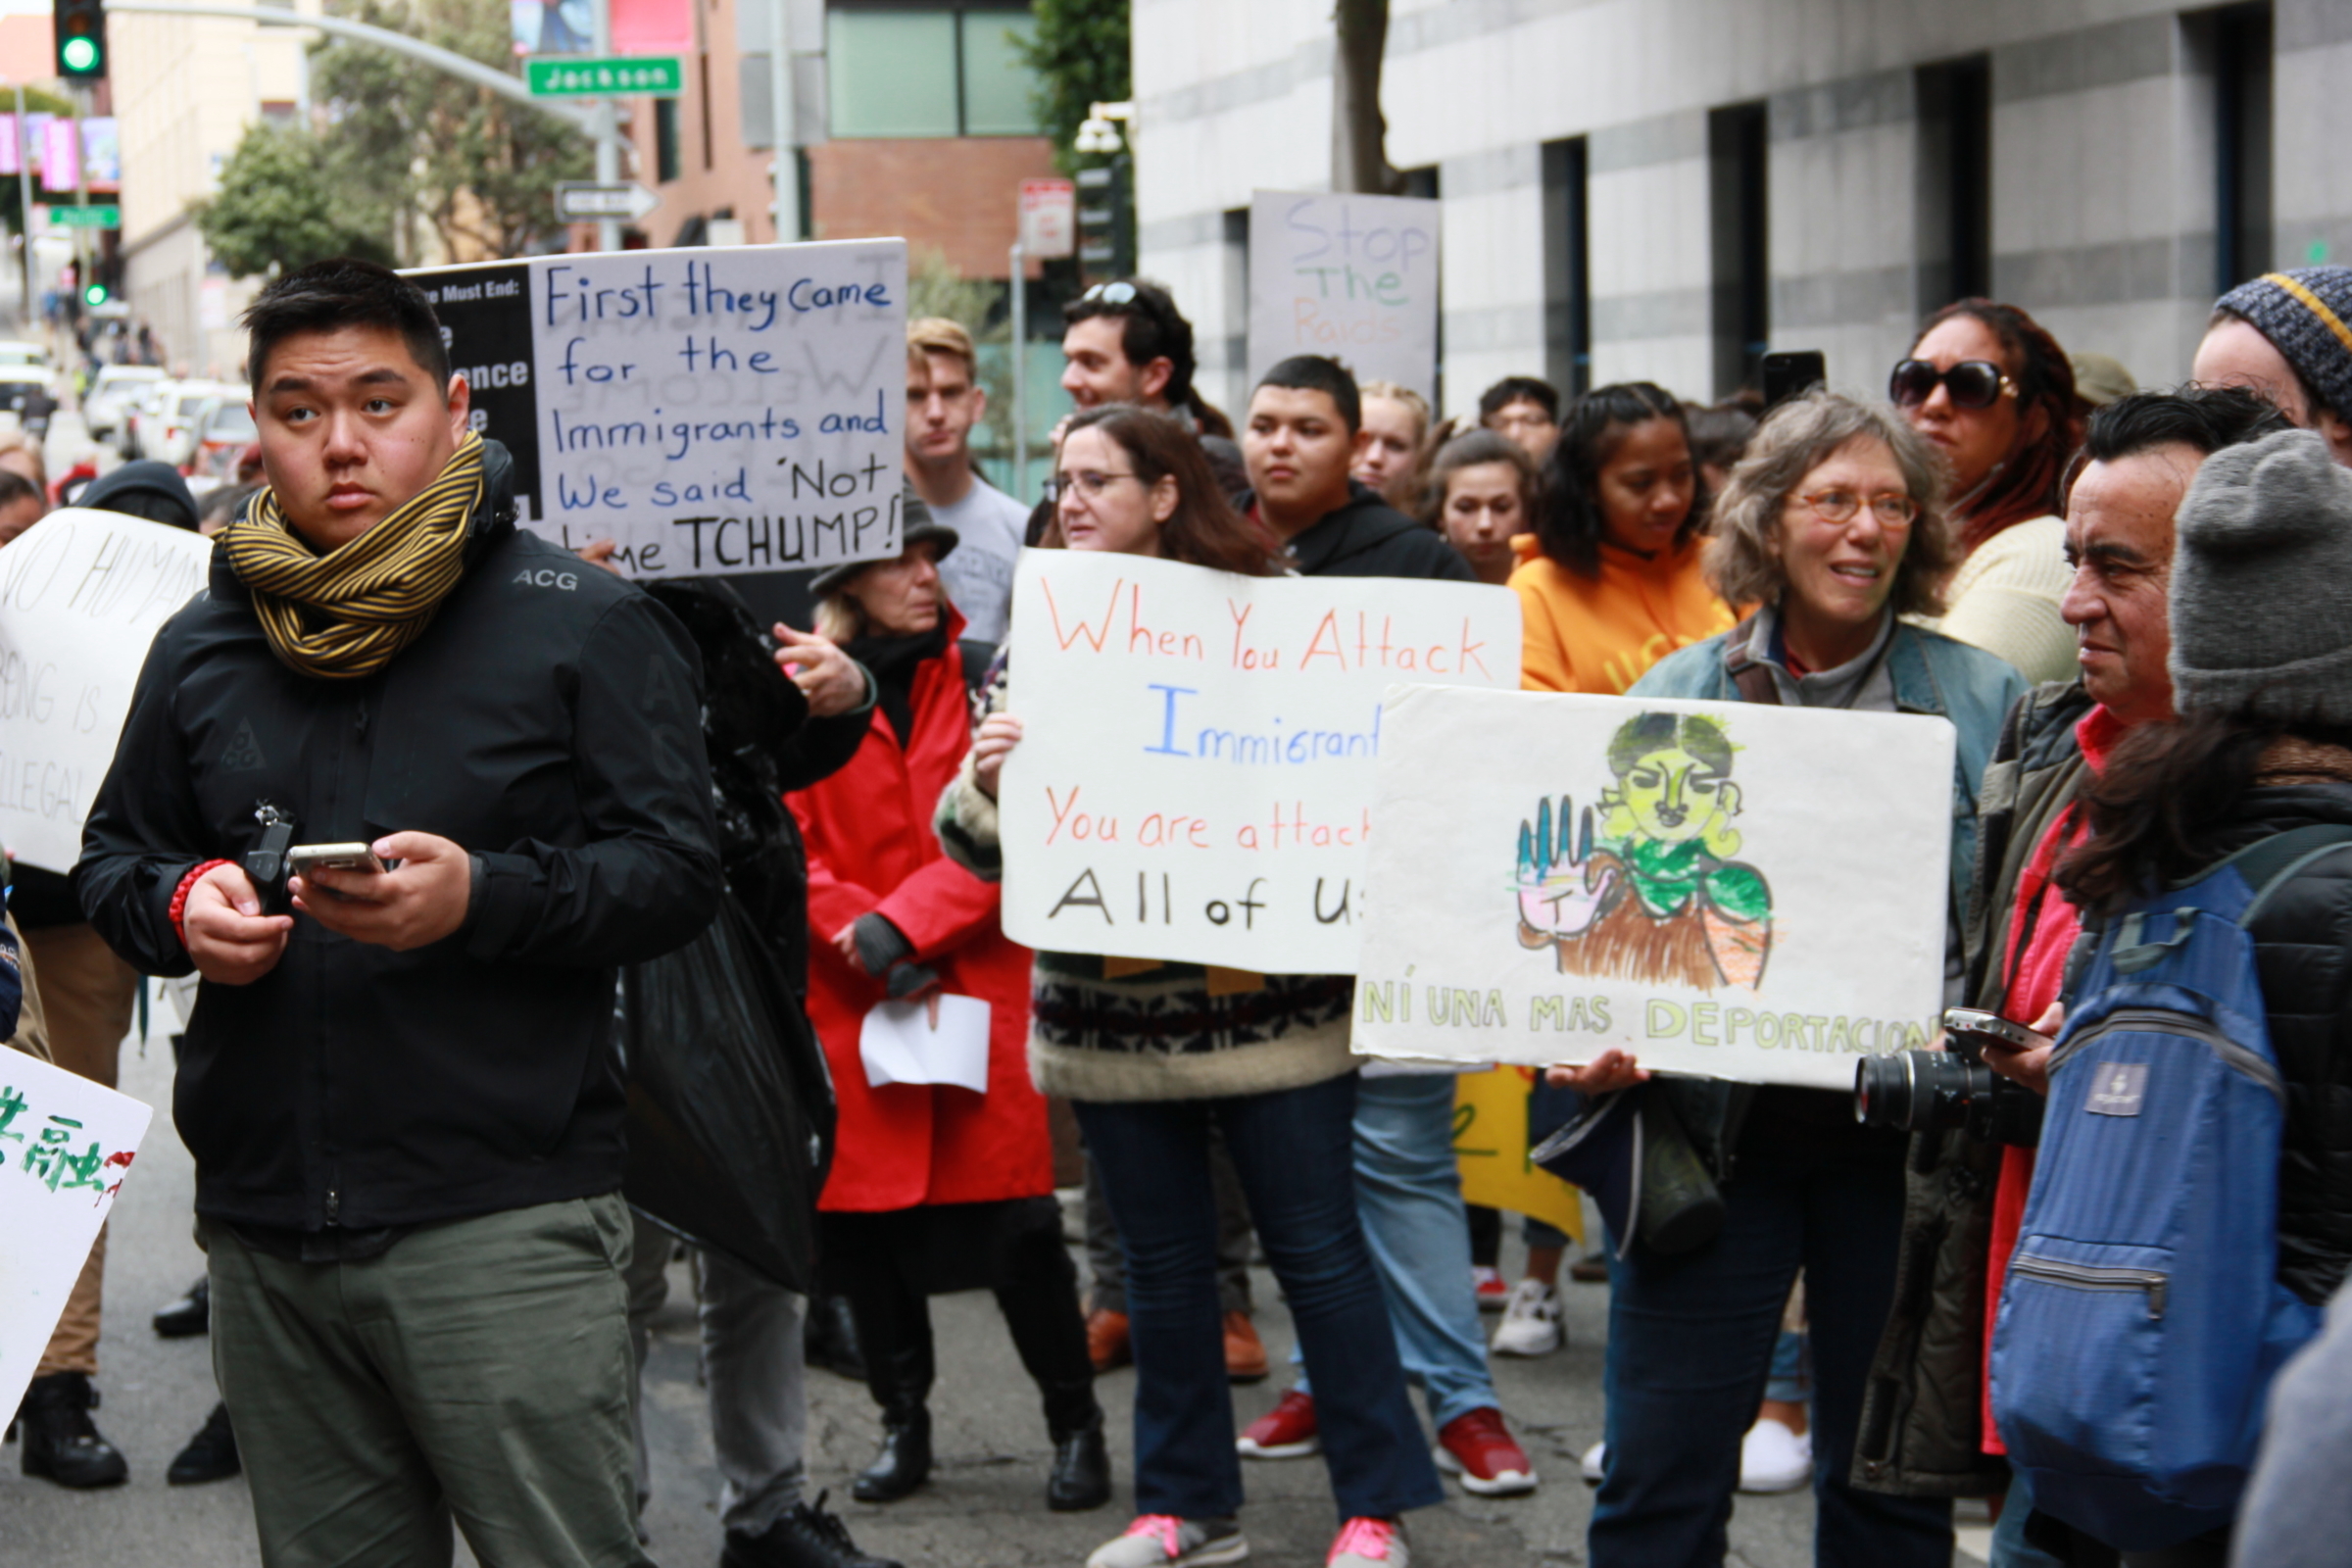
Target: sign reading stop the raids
(64,1145)
(1355,277)
(1737,891)
(82,594)
(1194,778)
(721,410)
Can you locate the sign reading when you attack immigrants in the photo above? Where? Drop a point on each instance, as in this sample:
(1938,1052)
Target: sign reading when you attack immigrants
(1738,890)
(1195,780)
(1355,277)
(82,594)
(714,411)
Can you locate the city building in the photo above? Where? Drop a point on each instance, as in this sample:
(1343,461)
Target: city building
(1667,188)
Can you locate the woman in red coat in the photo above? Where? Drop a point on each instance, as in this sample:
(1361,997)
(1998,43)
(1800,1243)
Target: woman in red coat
(934,1187)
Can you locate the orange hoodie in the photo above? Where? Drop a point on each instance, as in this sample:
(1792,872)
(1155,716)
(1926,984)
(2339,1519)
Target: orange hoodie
(1602,634)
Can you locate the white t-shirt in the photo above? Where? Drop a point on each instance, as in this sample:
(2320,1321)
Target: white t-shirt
(988,527)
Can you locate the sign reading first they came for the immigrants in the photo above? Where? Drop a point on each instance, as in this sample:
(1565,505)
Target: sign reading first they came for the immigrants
(1733,890)
(715,411)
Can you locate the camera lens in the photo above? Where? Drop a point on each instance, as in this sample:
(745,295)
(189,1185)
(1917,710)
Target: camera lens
(1883,1091)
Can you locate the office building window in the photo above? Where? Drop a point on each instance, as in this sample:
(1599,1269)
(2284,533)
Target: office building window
(1567,269)
(666,140)
(931,72)
(2232,47)
(1955,181)
(1739,163)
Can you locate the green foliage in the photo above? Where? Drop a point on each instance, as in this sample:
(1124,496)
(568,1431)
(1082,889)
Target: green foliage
(1080,55)
(978,305)
(280,207)
(404,140)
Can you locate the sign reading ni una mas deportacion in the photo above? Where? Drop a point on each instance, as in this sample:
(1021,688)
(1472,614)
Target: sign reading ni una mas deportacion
(714,411)
(82,594)
(1195,781)
(1738,890)
(1351,276)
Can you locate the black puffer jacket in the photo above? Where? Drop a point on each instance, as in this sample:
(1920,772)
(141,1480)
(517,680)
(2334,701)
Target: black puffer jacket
(1369,538)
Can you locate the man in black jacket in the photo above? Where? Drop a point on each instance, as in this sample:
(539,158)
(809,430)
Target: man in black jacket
(400,1096)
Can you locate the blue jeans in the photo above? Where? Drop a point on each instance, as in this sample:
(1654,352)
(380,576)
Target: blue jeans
(1292,1149)
(1409,1189)
(1691,1344)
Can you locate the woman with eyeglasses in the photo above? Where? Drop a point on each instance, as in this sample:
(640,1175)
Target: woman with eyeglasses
(1994,394)
(1151,1056)
(1832,524)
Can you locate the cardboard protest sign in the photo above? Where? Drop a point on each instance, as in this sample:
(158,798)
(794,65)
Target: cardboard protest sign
(1351,276)
(64,1145)
(1195,782)
(82,594)
(721,410)
(1490,1146)
(1739,891)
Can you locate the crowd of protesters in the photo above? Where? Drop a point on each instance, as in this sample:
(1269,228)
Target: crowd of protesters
(400,1087)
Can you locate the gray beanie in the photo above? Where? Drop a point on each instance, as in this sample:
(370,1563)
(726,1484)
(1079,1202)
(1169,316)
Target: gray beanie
(2261,576)
(2307,315)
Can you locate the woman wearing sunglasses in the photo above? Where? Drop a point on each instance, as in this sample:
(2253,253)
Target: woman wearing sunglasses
(1151,1056)
(1995,397)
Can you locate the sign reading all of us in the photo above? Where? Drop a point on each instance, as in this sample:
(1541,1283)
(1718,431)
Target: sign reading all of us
(1738,890)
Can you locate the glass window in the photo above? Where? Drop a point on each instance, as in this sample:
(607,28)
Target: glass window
(666,140)
(890,73)
(996,82)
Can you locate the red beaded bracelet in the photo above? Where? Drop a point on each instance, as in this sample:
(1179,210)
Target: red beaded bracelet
(180,898)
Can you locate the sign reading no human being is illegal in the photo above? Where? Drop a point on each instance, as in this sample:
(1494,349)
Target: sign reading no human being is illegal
(717,411)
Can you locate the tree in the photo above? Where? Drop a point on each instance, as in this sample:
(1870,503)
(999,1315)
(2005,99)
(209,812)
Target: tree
(1359,131)
(280,206)
(1079,52)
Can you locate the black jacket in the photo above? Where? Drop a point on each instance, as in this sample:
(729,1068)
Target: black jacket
(1369,538)
(546,721)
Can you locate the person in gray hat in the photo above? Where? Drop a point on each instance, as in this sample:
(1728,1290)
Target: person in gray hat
(2288,336)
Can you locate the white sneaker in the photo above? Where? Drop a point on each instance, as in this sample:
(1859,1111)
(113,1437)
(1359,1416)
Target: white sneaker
(1531,1321)
(1773,1458)
(1596,1459)
(1160,1541)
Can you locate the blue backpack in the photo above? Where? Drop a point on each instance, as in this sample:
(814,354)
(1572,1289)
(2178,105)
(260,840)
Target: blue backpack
(2143,1318)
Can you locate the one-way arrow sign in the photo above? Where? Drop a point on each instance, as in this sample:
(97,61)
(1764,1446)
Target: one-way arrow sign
(580,201)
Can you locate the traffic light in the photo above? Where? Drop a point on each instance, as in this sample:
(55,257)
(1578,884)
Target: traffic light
(79,28)
(1106,219)
(96,294)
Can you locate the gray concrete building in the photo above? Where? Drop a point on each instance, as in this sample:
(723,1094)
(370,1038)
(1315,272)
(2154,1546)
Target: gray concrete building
(1666,189)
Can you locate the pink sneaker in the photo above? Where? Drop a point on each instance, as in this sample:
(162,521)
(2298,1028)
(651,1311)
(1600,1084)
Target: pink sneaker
(1369,1544)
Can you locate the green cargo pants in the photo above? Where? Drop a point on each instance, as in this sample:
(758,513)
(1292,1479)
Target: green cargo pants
(478,1369)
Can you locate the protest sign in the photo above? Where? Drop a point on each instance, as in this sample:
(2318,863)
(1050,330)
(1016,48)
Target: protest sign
(1195,782)
(1744,892)
(1490,1146)
(719,410)
(1355,277)
(64,1145)
(82,594)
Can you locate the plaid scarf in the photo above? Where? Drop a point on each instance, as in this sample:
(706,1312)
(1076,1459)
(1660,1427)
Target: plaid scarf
(344,615)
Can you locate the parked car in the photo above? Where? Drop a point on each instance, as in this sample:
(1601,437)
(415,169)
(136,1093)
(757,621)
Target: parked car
(175,420)
(138,415)
(28,392)
(223,429)
(109,399)
(16,351)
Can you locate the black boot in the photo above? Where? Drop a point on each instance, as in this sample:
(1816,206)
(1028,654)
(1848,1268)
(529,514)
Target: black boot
(1039,1298)
(60,1441)
(830,1335)
(806,1538)
(191,1314)
(905,1462)
(1081,1476)
(210,1454)
(893,1329)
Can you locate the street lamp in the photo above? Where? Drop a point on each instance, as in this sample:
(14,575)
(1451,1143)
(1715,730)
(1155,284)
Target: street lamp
(1097,133)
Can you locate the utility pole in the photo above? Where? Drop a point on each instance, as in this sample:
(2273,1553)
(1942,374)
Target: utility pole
(784,115)
(606,131)
(25,206)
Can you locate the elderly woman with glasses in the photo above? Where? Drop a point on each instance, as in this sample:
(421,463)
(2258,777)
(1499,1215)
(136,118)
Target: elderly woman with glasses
(1993,395)
(1833,524)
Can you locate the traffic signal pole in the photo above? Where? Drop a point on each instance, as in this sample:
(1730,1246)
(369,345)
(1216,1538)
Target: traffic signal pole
(25,206)
(607,129)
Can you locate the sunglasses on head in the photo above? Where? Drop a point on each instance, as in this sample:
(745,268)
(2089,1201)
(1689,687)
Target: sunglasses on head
(1112,293)
(1970,384)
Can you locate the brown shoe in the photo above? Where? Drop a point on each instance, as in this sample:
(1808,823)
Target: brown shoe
(1245,1356)
(1107,1340)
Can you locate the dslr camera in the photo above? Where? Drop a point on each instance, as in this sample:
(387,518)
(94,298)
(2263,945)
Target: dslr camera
(1935,1091)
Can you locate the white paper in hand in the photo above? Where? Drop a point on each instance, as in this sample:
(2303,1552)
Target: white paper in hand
(898,1046)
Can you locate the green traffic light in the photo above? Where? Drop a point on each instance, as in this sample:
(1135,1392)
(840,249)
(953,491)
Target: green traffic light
(95,294)
(79,54)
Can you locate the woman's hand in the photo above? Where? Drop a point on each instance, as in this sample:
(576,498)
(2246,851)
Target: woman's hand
(833,682)
(2029,1067)
(998,734)
(1613,1069)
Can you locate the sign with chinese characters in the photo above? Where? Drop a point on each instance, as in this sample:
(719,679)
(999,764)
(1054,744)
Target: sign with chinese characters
(1352,277)
(1195,780)
(64,1145)
(1730,890)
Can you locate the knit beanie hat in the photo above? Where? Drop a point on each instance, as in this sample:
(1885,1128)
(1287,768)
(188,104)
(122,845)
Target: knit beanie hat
(2262,579)
(2307,315)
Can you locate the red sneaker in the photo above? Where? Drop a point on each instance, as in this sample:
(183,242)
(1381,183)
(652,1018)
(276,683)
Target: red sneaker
(1285,1431)
(1490,1288)
(1480,1450)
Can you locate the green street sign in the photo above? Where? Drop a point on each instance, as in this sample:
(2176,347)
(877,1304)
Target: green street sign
(85,217)
(585,76)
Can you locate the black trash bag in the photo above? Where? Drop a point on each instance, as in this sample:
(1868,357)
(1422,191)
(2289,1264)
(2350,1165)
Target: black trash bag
(730,1103)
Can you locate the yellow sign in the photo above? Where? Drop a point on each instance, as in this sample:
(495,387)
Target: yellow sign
(1490,1140)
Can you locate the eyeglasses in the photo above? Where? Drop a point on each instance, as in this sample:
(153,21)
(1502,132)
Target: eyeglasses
(1971,384)
(1110,293)
(1089,482)
(1839,506)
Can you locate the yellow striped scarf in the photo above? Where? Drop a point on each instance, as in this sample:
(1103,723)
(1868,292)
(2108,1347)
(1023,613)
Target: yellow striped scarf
(345,615)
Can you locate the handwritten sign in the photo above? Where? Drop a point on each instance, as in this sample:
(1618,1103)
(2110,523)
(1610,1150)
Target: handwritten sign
(64,1145)
(1741,892)
(1195,778)
(82,594)
(1355,277)
(721,410)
